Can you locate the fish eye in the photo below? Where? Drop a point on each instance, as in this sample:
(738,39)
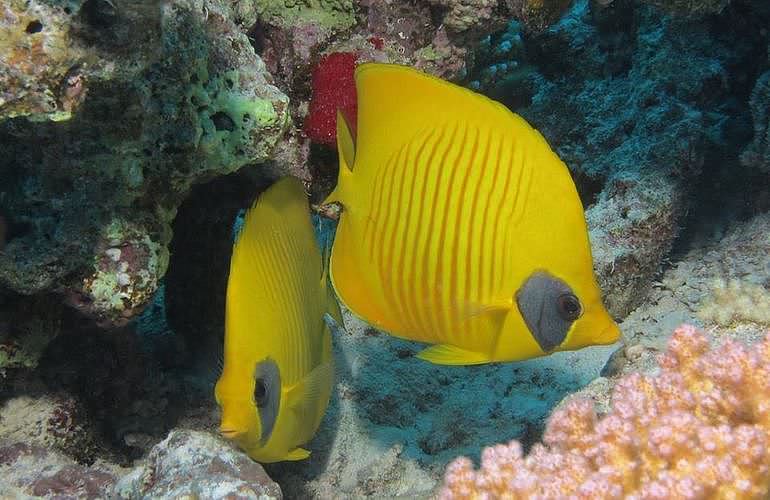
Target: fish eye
(260,393)
(569,307)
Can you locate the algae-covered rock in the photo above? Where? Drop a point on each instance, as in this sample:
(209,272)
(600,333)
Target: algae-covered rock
(330,15)
(39,60)
(169,95)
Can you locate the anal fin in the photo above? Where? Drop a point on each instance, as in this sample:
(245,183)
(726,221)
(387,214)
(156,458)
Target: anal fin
(297,454)
(446,354)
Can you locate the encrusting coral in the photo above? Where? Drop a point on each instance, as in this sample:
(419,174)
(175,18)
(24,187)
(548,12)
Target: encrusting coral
(734,301)
(333,89)
(700,428)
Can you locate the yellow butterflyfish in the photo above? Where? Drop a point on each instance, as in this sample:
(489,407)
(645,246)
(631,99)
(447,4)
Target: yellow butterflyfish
(278,369)
(460,226)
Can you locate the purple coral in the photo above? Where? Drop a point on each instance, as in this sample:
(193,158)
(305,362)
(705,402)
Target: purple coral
(698,429)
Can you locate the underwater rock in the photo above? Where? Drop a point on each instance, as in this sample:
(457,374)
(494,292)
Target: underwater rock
(485,16)
(730,284)
(628,250)
(31,470)
(173,95)
(757,154)
(56,422)
(639,116)
(41,61)
(197,464)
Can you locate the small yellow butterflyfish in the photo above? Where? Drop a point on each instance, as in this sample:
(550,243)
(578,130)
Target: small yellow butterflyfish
(278,369)
(460,227)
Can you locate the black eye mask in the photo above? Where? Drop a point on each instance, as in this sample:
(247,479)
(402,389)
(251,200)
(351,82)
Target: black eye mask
(267,395)
(549,307)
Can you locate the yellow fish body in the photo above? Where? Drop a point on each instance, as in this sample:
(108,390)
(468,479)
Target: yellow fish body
(278,370)
(460,226)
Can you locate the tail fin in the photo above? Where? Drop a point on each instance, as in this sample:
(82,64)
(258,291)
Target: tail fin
(347,152)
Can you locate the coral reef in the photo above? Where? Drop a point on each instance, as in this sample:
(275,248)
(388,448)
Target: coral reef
(699,429)
(500,67)
(196,464)
(88,215)
(434,36)
(637,116)
(330,15)
(536,15)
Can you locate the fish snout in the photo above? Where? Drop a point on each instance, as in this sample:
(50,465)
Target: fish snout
(610,334)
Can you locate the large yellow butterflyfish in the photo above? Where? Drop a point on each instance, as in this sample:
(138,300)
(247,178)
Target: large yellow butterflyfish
(460,226)
(278,371)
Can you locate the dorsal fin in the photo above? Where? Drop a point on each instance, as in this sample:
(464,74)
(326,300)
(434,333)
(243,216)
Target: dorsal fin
(396,102)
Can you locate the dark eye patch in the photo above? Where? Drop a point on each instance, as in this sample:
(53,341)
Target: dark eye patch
(267,395)
(260,393)
(549,307)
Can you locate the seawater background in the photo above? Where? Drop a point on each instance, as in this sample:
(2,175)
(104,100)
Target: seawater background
(661,117)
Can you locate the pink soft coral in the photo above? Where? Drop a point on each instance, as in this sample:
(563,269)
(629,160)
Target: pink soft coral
(699,429)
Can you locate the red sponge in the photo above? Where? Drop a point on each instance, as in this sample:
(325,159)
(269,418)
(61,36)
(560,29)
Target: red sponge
(333,89)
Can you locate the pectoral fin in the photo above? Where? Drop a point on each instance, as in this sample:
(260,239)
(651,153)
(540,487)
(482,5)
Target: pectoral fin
(499,306)
(312,386)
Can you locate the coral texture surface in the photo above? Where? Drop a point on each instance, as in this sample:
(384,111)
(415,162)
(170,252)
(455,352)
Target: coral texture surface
(698,429)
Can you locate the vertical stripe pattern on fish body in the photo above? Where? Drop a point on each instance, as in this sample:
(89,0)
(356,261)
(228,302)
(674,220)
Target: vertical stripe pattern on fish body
(278,368)
(450,204)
